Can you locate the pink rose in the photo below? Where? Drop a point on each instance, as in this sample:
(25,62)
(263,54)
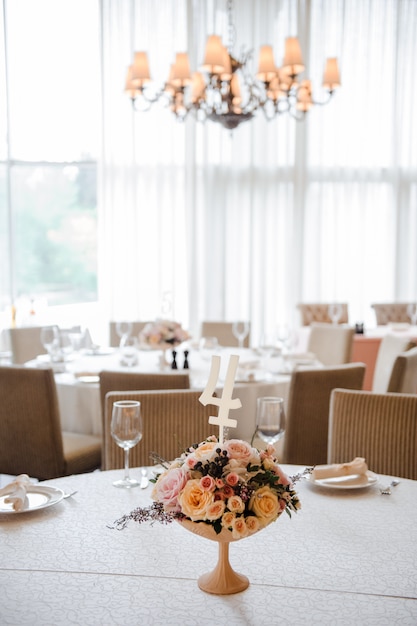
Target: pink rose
(207,483)
(232,479)
(168,487)
(283,478)
(239,450)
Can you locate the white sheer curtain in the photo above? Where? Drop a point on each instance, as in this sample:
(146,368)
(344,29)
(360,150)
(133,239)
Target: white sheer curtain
(248,223)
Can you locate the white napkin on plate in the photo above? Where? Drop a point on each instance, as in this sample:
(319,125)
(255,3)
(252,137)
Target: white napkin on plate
(357,467)
(16,492)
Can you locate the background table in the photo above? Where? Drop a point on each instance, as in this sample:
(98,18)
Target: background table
(79,402)
(347,558)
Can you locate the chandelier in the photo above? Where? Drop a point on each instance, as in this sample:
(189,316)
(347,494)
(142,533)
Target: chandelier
(224,91)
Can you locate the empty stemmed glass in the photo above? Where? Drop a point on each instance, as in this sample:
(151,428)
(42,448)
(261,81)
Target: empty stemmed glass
(240,331)
(126,430)
(412,313)
(335,312)
(270,419)
(50,341)
(124,329)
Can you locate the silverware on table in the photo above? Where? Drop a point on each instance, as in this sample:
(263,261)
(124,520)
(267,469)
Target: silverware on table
(386,491)
(69,495)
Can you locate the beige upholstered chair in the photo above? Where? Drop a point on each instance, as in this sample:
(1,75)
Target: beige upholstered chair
(224,333)
(134,381)
(391,312)
(403,377)
(390,347)
(319,312)
(331,343)
(31,441)
(382,428)
(306,434)
(25,343)
(172,421)
(114,337)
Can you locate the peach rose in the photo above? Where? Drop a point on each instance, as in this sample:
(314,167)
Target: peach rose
(252,524)
(236,504)
(215,510)
(194,500)
(168,487)
(264,503)
(205,451)
(228,518)
(239,528)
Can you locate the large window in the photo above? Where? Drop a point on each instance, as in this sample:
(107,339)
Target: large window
(49,124)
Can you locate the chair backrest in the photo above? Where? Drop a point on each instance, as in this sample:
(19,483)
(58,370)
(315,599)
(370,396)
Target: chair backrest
(331,343)
(391,312)
(306,433)
(172,421)
(30,428)
(403,377)
(137,381)
(114,337)
(390,347)
(224,333)
(25,343)
(382,428)
(319,312)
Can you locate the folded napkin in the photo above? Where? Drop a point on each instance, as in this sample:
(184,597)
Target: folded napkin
(16,492)
(357,467)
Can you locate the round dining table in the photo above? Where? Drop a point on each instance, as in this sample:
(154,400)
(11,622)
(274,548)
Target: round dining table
(79,396)
(348,557)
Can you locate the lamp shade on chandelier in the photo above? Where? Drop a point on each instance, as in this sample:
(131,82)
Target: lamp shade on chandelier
(224,91)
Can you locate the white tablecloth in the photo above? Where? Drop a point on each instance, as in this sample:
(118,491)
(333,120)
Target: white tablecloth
(347,558)
(80,402)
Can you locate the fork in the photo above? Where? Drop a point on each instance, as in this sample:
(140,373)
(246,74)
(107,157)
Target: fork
(386,491)
(69,495)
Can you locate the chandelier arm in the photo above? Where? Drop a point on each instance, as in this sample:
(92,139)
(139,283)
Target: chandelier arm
(330,94)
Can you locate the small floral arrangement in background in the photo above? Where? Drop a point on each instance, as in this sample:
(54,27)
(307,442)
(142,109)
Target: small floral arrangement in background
(163,334)
(229,486)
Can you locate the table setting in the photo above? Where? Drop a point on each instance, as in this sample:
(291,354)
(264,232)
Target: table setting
(344,556)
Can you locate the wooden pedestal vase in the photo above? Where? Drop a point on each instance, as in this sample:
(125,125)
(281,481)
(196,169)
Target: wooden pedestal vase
(223,580)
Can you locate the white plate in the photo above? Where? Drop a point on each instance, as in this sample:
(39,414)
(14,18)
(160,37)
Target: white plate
(355,481)
(39,496)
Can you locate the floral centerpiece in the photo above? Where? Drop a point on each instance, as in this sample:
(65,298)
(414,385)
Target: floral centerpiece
(221,489)
(223,492)
(162,335)
(231,486)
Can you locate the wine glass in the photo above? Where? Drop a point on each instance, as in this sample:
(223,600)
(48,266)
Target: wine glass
(335,312)
(126,430)
(129,347)
(124,329)
(50,341)
(240,331)
(270,419)
(412,313)
(268,348)
(285,337)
